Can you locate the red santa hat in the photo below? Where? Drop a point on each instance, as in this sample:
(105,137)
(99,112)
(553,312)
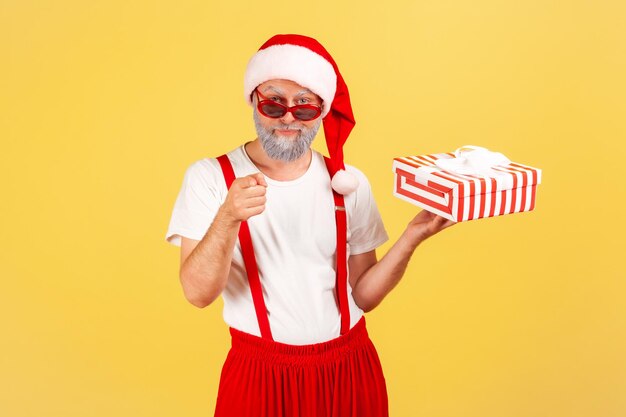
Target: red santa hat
(305,61)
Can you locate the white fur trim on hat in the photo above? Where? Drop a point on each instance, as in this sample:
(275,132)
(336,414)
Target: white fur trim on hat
(295,63)
(344,182)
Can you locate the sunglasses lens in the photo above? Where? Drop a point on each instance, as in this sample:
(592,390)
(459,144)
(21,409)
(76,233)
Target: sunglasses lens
(272,110)
(305,113)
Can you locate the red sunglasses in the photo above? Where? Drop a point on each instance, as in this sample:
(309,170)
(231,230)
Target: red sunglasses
(271,108)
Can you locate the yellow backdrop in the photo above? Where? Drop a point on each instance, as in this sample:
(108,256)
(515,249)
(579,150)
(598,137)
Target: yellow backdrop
(103,105)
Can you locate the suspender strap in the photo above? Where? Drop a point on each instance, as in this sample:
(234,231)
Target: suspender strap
(342,273)
(249,259)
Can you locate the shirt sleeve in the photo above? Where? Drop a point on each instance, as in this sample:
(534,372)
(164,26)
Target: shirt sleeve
(367,231)
(197,203)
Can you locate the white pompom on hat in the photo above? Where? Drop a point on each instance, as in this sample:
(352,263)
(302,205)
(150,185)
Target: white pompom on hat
(305,61)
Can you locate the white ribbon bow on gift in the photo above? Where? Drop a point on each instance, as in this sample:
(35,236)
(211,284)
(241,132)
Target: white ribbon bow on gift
(475,161)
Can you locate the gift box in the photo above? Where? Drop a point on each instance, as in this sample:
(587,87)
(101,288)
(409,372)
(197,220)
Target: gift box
(470,183)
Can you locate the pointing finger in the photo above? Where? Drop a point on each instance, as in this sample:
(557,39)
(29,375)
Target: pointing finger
(260,179)
(248,181)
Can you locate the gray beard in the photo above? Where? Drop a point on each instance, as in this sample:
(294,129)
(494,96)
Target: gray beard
(285,148)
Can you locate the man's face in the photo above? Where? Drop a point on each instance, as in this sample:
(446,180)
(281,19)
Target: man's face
(285,138)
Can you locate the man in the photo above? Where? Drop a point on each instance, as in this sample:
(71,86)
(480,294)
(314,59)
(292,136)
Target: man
(291,246)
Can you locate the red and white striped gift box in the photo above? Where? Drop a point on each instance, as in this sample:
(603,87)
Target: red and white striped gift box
(459,197)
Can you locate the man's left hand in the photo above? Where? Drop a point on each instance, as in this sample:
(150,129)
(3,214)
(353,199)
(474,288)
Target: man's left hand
(426,224)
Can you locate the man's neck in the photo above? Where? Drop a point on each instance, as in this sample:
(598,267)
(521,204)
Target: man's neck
(276,169)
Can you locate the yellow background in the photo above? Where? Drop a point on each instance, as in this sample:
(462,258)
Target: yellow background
(104,105)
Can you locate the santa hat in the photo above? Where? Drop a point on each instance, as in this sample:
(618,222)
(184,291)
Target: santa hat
(305,61)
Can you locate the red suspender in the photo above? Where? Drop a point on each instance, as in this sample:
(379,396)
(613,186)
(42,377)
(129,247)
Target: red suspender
(342,272)
(253,273)
(249,260)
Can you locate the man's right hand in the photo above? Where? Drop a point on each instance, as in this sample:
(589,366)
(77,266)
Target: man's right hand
(246,198)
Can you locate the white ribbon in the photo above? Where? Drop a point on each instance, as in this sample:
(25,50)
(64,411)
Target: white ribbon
(472,160)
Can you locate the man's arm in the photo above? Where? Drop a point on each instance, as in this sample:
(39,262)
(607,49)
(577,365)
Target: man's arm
(372,280)
(205,264)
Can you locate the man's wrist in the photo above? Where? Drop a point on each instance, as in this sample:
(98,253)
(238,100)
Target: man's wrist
(225,219)
(409,242)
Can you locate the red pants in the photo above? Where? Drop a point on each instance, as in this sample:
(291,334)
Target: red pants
(339,378)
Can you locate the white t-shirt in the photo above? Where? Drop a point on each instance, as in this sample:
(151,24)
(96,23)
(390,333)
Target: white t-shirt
(294,242)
